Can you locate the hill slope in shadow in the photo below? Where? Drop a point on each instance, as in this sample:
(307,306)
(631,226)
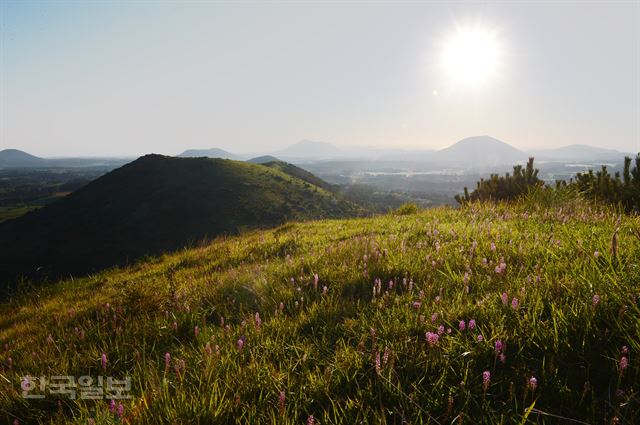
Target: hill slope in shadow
(156,204)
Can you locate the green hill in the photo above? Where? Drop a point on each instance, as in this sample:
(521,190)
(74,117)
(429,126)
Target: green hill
(298,172)
(155,204)
(493,314)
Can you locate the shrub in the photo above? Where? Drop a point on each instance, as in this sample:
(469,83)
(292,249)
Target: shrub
(507,187)
(407,209)
(616,189)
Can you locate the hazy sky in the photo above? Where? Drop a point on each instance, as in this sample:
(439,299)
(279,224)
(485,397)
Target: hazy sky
(127,78)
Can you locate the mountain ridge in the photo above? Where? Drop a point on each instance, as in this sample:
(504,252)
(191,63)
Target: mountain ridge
(156,204)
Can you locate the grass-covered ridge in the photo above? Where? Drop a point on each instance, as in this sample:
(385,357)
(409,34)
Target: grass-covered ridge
(361,350)
(157,204)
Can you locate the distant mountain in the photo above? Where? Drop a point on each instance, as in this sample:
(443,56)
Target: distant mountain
(480,151)
(154,204)
(263,159)
(580,153)
(308,149)
(17,158)
(210,153)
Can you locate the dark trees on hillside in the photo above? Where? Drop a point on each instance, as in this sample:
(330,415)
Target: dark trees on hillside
(507,187)
(616,189)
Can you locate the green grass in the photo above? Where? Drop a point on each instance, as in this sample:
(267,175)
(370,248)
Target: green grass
(320,349)
(15,211)
(157,204)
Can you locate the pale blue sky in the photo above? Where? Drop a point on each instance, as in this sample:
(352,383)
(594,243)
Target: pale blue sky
(128,78)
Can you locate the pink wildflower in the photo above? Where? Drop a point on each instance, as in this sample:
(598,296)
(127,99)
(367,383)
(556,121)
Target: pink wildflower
(486,380)
(514,303)
(240,343)
(432,338)
(624,363)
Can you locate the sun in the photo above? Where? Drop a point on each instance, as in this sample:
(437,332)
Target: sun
(471,56)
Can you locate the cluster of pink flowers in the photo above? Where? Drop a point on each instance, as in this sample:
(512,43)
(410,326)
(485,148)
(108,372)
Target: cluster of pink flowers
(432,338)
(117,410)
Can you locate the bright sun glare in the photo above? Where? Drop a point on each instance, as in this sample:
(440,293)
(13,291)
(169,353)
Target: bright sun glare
(471,56)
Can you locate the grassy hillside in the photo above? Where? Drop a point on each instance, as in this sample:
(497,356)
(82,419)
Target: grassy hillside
(156,204)
(298,172)
(486,314)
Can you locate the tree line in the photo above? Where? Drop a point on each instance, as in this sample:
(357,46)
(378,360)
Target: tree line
(618,188)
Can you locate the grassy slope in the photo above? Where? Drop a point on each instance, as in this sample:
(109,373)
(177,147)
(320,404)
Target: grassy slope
(153,205)
(320,349)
